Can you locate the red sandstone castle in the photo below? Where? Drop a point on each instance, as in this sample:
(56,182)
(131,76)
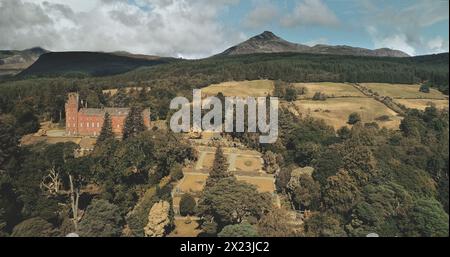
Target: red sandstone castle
(89,121)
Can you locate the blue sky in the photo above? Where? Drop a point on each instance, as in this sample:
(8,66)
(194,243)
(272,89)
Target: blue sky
(200,28)
(414,26)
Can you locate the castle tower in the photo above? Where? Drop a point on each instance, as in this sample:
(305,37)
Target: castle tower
(71,107)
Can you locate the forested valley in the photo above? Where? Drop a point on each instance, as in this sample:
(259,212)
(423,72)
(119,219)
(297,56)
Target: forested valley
(366,179)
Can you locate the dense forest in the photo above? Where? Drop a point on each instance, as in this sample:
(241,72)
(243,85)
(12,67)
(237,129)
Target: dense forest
(46,95)
(365,179)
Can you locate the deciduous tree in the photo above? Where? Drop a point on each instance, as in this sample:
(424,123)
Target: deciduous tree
(102,219)
(243,229)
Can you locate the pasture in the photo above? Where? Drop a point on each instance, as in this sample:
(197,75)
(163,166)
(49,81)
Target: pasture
(403,91)
(253,88)
(421,104)
(335,111)
(330,89)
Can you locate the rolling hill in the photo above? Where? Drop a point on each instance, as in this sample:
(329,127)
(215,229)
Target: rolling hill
(15,61)
(88,64)
(267,42)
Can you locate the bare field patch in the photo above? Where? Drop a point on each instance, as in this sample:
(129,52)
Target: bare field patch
(185,228)
(330,89)
(403,91)
(192,182)
(253,88)
(238,159)
(335,111)
(208,160)
(263,184)
(244,163)
(421,104)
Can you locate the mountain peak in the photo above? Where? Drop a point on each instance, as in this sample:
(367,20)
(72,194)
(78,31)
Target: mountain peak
(266,35)
(36,50)
(268,42)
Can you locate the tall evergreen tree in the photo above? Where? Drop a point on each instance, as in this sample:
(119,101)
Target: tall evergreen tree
(106,132)
(134,123)
(219,169)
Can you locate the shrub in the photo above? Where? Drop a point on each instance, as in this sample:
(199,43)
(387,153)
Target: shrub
(318,96)
(424,88)
(187,205)
(176,172)
(243,229)
(291,93)
(302,91)
(383,118)
(371,125)
(34,227)
(344,132)
(354,118)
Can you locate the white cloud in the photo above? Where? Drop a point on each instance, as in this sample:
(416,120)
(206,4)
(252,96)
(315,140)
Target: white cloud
(318,41)
(163,27)
(310,12)
(402,28)
(398,42)
(437,45)
(75,5)
(261,15)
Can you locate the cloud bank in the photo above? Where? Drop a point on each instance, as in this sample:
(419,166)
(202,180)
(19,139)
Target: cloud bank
(310,13)
(200,28)
(403,28)
(162,27)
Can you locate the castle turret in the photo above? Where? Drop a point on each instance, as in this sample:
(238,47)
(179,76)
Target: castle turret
(71,107)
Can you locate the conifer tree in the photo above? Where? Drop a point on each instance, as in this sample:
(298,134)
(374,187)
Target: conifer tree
(106,132)
(220,167)
(134,123)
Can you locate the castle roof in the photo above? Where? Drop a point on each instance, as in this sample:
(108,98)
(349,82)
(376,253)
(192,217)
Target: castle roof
(111,111)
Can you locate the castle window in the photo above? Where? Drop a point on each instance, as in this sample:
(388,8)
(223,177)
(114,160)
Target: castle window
(74,125)
(93,125)
(87,124)
(98,124)
(118,125)
(68,125)
(81,124)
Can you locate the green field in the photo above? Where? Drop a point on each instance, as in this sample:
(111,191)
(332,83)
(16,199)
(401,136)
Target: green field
(403,91)
(330,89)
(241,88)
(335,111)
(421,104)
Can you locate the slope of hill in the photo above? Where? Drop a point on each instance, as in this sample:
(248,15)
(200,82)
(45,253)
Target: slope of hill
(15,61)
(267,42)
(300,67)
(88,64)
